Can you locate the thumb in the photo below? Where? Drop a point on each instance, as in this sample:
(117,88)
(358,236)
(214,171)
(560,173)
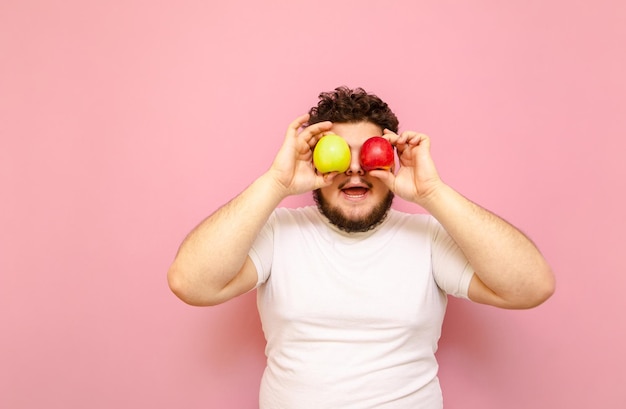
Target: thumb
(325,179)
(387,177)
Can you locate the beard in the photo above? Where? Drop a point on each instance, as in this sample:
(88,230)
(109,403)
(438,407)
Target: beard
(363,224)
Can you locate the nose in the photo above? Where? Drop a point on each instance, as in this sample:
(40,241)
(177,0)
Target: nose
(355,165)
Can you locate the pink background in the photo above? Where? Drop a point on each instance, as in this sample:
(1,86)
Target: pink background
(124,123)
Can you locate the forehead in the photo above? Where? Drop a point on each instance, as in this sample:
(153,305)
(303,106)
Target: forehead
(355,133)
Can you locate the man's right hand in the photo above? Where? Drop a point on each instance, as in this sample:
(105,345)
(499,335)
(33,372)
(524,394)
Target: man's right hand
(293,168)
(212,264)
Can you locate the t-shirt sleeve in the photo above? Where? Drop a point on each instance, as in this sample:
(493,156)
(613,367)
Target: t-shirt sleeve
(451,269)
(262,251)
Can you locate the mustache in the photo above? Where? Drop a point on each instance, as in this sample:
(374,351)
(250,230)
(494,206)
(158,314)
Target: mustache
(361,180)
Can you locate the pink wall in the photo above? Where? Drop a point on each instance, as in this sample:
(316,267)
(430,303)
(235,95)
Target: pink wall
(123,123)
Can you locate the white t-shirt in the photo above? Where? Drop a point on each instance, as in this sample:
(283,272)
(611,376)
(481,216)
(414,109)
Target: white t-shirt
(353,320)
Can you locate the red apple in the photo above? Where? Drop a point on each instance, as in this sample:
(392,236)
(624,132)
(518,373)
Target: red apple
(376,153)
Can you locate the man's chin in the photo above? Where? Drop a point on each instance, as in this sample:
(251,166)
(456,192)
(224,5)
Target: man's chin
(353,223)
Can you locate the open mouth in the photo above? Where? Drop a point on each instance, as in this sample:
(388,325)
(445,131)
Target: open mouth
(355,191)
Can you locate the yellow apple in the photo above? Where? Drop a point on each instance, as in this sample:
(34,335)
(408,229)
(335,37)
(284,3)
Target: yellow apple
(331,154)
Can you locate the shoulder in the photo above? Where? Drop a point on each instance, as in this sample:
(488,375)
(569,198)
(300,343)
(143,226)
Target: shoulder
(287,213)
(302,217)
(411,221)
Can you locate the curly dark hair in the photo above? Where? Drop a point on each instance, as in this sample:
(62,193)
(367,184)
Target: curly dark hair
(353,105)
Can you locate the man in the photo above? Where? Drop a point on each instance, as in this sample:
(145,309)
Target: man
(351,293)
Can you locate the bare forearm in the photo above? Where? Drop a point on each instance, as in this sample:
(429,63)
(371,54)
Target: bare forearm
(215,251)
(504,259)
(212,264)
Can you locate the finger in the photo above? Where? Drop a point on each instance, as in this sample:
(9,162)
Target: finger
(402,142)
(391,136)
(410,139)
(318,128)
(424,140)
(324,180)
(297,124)
(418,139)
(387,177)
(313,133)
(404,138)
(409,136)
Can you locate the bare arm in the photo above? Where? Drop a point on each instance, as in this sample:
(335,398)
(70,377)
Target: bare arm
(209,266)
(510,272)
(212,264)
